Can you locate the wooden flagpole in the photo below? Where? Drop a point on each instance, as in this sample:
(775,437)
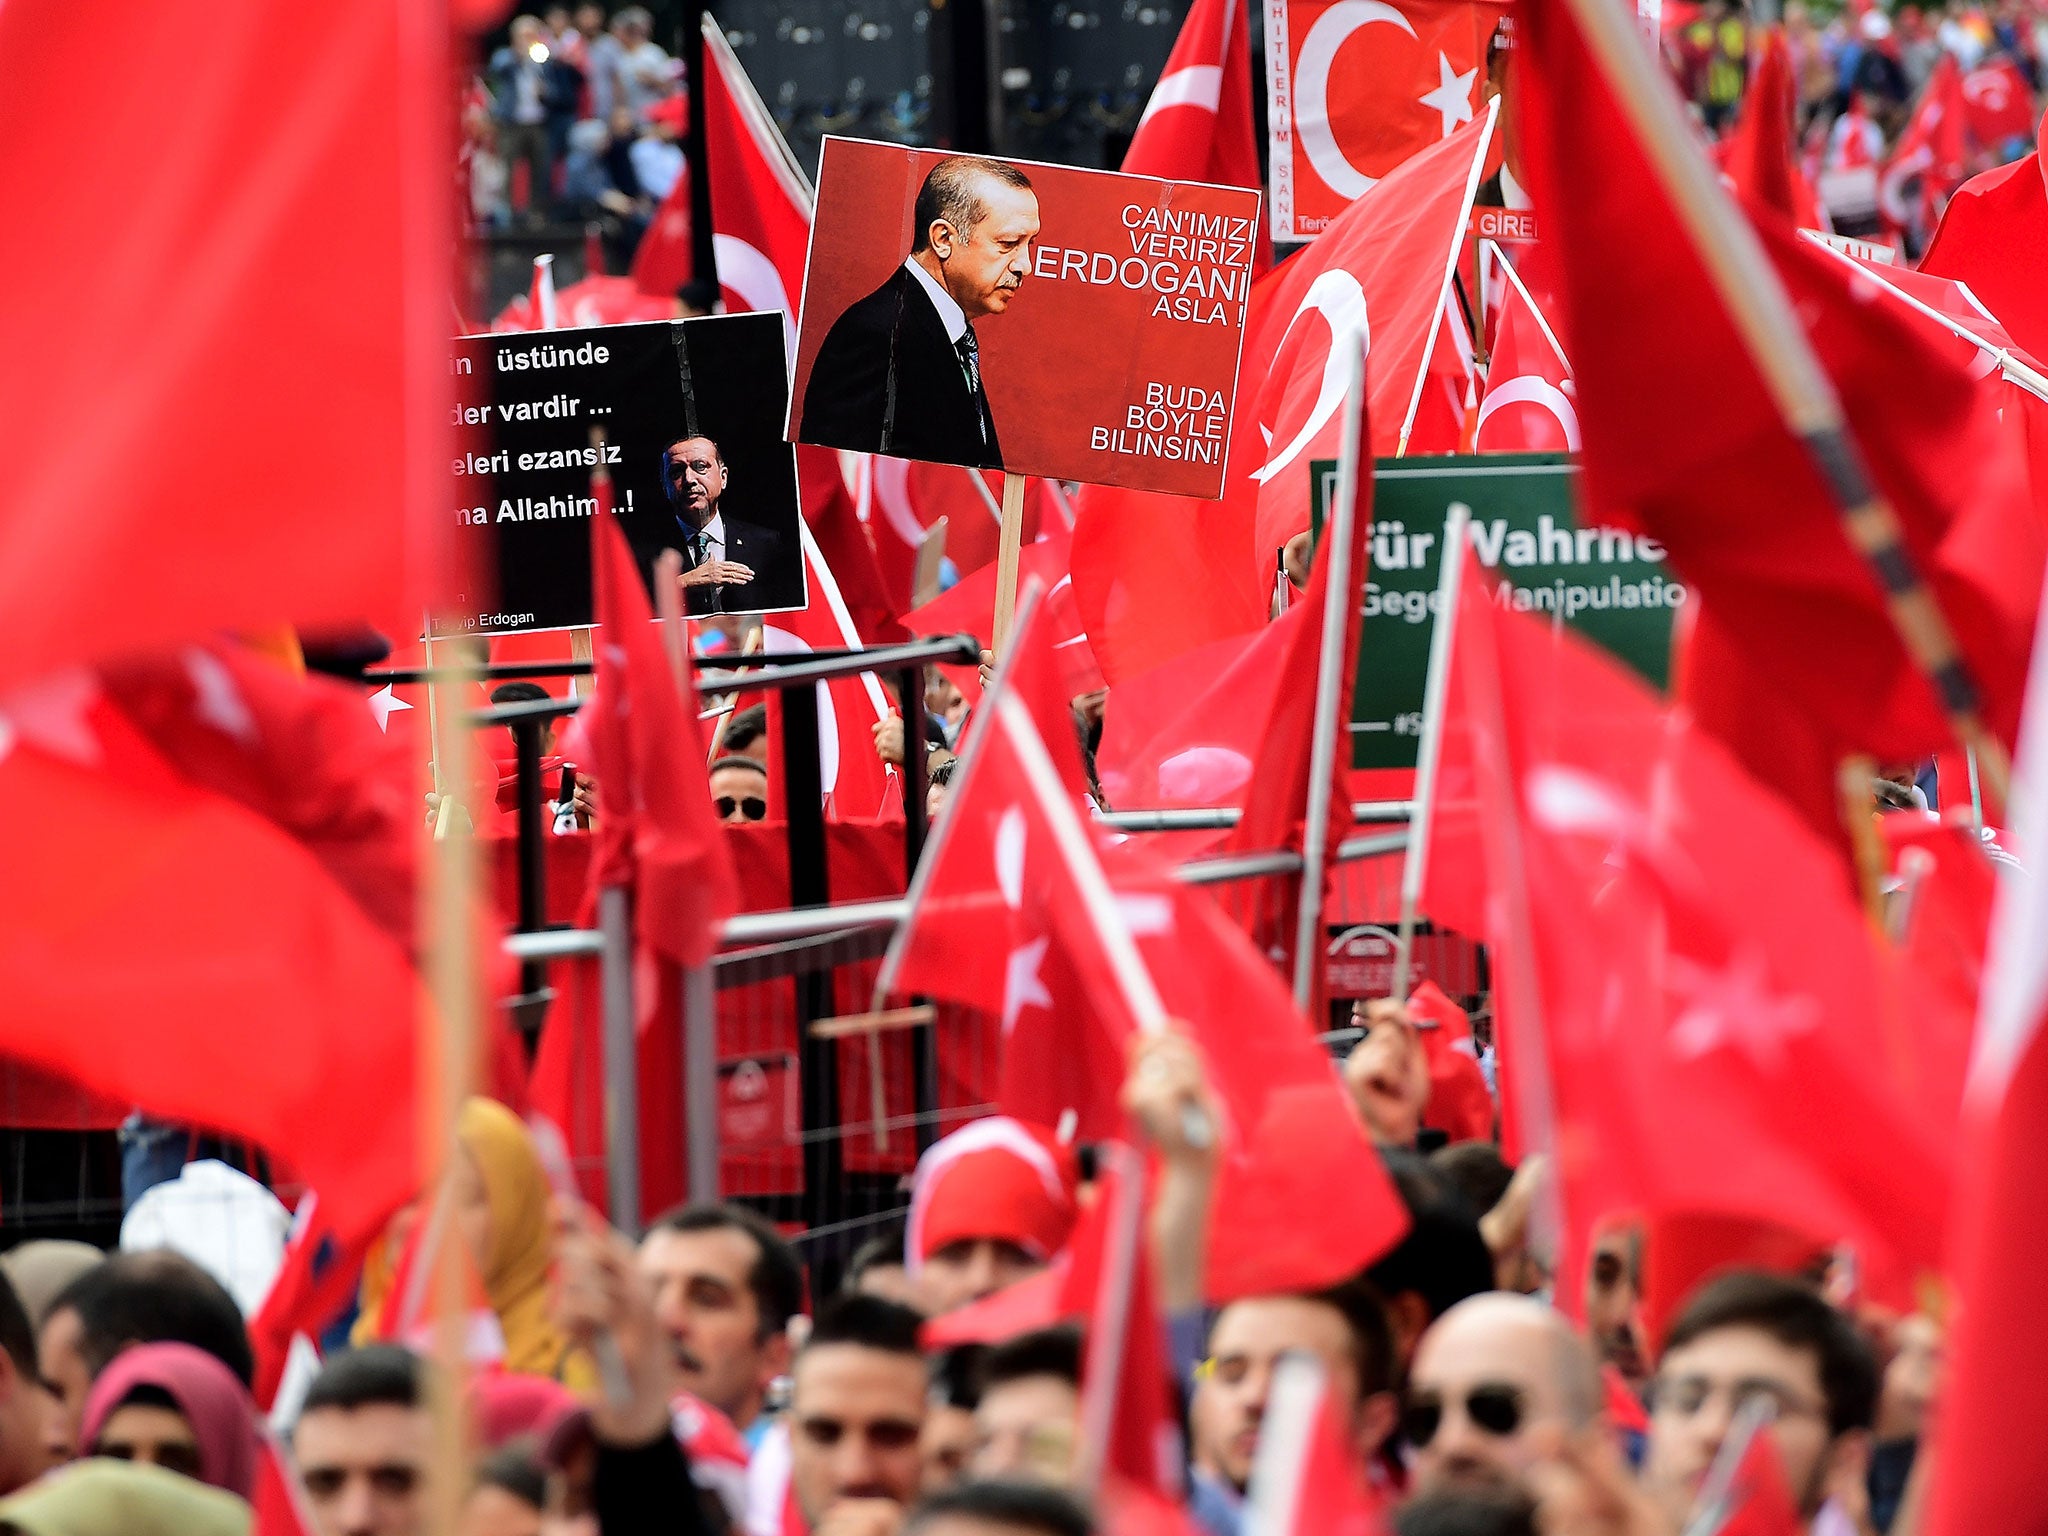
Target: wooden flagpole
(1748,288)
(1011,546)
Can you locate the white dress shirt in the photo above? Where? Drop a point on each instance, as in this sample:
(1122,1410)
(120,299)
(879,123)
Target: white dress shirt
(951,315)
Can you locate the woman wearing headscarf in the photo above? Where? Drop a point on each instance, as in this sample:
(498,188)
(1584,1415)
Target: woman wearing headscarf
(497,1195)
(176,1407)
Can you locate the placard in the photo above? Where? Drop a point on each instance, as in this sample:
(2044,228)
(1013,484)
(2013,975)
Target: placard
(1039,319)
(684,417)
(1615,588)
(1354,87)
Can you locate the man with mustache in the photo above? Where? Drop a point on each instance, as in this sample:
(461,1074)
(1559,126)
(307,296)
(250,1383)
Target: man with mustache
(725,1287)
(900,372)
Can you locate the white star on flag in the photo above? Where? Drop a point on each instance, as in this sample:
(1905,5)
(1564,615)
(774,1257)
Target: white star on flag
(1023,985)
(384,704)
(1735,1006)
(1452,97)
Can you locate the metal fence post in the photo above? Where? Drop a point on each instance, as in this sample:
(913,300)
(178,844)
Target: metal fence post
(700,1082)
(621,1058)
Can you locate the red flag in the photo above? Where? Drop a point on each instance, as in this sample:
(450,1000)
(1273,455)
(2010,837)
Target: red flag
(1360,91)
(657,835)
(1721,481)
(1186,734)
(761,226)
(1994,236)
(1528,406)
(1381,270)
(315,1284)
(1699,958)
(176,467)
(1127,1389)
(1197,126)
(760,201)
(1932,149)
(858,784)
(968,607)
(1276,816)
(666,257)
(218,849)
(1000,920)
(1760,158)
(1306,1477)
(1983,1469)
(1460,1104)
(593,301)
(279,1502)
(1998,104)
(1745,1493)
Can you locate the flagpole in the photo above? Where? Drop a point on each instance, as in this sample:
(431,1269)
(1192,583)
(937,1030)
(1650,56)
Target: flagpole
(1108,1329)
(1748,287)
(1535,313)
(1009,547)
(2029,379)
(1443,292)
(1339,597)
(1436,693)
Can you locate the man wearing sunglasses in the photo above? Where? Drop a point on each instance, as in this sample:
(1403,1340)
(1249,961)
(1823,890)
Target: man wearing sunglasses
(1491,1379)
(739,789)
(1755,1335)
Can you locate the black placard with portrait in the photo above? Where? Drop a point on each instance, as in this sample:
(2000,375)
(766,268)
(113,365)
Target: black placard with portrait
(545,416)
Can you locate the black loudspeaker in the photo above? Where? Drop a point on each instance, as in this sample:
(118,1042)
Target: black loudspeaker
(1074,75)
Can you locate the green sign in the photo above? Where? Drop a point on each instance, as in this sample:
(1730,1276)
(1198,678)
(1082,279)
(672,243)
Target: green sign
(1613,587)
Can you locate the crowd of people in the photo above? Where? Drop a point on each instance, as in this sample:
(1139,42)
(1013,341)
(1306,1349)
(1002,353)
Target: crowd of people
(702,1379)
(576,119)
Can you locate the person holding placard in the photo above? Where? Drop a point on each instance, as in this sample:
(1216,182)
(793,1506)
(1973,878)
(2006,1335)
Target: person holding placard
(900,371)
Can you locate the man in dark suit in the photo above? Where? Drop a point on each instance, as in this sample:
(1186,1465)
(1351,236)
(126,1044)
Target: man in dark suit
(900,372)
(728,566)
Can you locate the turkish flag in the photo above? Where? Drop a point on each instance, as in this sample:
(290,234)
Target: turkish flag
(858,785)
(1361,88)
(1756,1500)
(1998,104)
(968,607)
(1460,1104)
(1994,237)
(1197,125)
(1933,149)
(1528,406)
(1691,960)
(1378,275)
(666,257)
(217,848)
(219,416)
(999,920)
(1722,482)
(1990,1417)
(1127,1379)
(760,201)
(657,835)
(1760,156)
(278,1502)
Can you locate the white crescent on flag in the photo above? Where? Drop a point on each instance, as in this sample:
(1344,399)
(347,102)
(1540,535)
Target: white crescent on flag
(1312,89)
(1337,296)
